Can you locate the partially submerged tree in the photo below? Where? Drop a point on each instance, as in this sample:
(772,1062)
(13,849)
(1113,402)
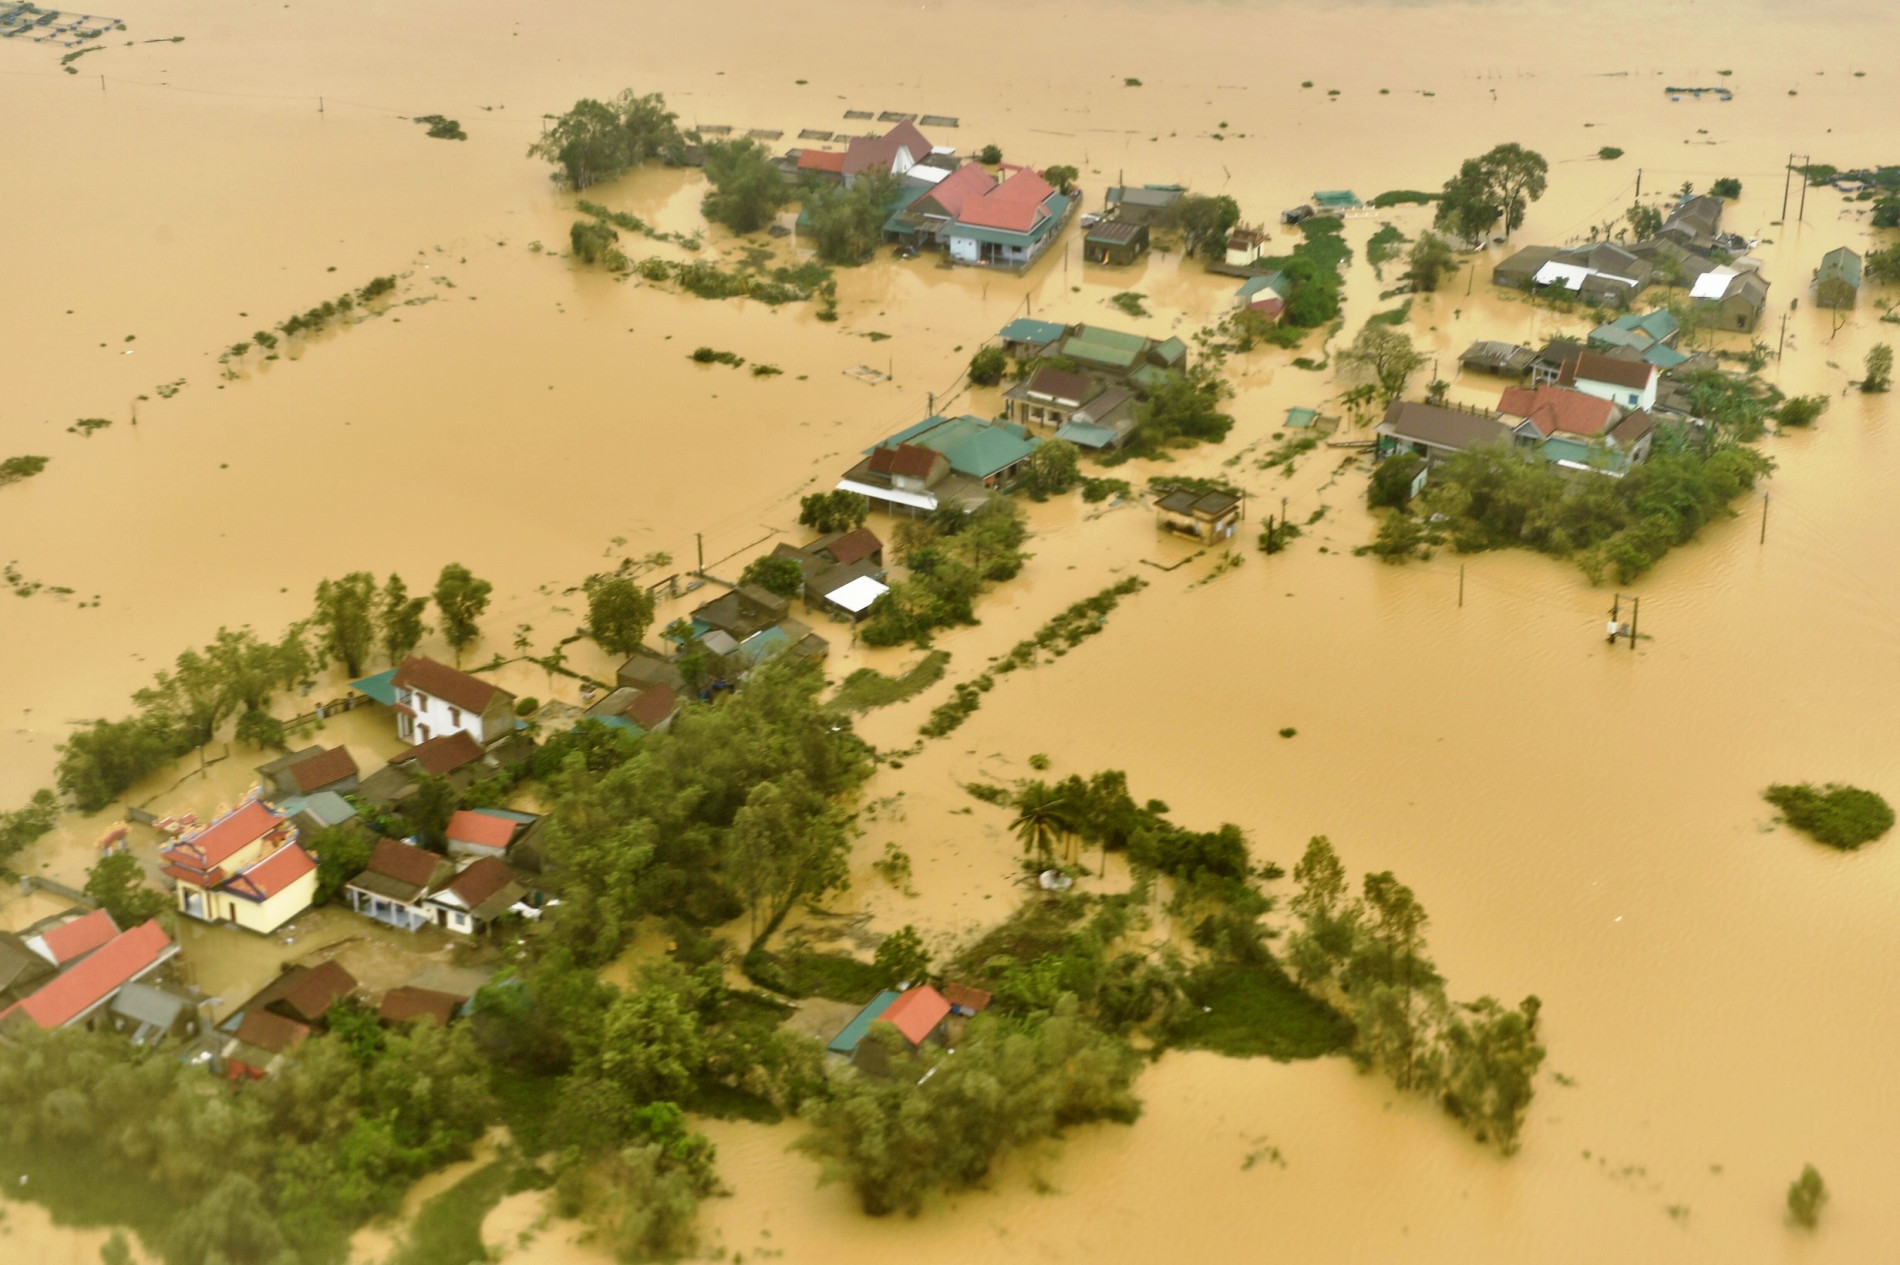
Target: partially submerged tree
(345,620)
(619,612)
(1386,355)
(747,189)
(987,366)
(1203,220)
(461,598)
(833,511)
(1052,469)
(779,575)
(588,144)
(1879,374)
(1430,259)
(1498,186)
(848,224)
(399,619)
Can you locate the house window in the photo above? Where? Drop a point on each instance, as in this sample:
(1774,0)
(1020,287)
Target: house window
(422,700)
(424,731)
(455,713)
(1634,397)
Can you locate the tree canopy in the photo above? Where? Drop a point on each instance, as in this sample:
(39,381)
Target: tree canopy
(1498,186)
(747,189)
(460,598)
(597,140)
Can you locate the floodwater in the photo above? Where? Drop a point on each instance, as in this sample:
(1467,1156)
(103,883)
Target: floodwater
(1582,822)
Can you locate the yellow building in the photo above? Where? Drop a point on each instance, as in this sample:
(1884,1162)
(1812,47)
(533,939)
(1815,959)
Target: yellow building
(246,867)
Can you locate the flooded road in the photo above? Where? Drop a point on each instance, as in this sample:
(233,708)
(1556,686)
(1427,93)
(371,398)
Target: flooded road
(1582,823)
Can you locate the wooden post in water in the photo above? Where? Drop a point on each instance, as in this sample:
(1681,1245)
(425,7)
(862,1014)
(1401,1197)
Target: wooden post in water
(1616,609)
(1635,605)
(699,542)
(1764,519)
(1786,175)
(1802,214)
(1461,586)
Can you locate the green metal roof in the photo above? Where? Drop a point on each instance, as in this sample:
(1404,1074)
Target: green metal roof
(1301,416)
(1843,263)
(974,447)
(1664,358)
(380,687)
(1026,329)
(846,1042)
(1148,377)
(1087,434)
(1171,350)
(1080,348)
(1112,337)
(1337,197)
(1278,282)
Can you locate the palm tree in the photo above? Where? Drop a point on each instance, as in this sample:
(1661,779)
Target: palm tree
(1043,815)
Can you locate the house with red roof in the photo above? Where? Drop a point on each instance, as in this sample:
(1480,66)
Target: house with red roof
(309,771)
(823,163)
(77,995)
(69,941)
(1008,225)
(244,868)
(433,700)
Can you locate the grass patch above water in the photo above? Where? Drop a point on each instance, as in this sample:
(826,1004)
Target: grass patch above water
(830,975)
(1842,817)
(448,1229)
(1255,1011)
(867,687)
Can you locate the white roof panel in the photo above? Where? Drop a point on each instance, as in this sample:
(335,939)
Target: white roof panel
(858,595)
(916,500)
(1713,284)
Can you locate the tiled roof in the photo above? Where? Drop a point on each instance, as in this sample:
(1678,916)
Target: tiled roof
(400,1005)
(442,754)
(1441,427)
(324,769)
(916,1012)
(910,460)
(854,546)
(439,680)
(79,937)
(955,190)
(481,880)
(272,1033)
(652,706)
(1060,385)
(309,992)
(403,862)
(468,826)
(1589,366)
(118,962)
(227,836)
(1553,409)
(830,160)
(273,874)
(962,996)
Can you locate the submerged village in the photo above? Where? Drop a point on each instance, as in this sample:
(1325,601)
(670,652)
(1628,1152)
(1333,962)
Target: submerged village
(403,889)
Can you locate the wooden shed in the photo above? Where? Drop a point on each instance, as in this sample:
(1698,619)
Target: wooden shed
(1115,242)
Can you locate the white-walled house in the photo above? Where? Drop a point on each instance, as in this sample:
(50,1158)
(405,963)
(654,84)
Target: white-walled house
(433,699)
(1630,384)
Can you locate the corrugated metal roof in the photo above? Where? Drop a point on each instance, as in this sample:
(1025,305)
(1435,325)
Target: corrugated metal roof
(1025,329)
(846,1042)
(380,687)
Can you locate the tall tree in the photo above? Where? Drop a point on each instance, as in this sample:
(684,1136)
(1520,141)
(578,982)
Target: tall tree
(1204,221)
(1328,919)
(1493,1055)
(1387,355)
(1516,177)
(399,619)
(786,845)
(1468,208)
(619,612)
(428,810)
(747,189)
(1430,260)
(833,511)
(1044,818)
(588,144)
(461,599)
(652,130)
(345,620)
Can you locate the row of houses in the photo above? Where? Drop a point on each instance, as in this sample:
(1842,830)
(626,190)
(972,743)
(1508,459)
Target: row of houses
(1598,415)
(81,971)
(1690,250)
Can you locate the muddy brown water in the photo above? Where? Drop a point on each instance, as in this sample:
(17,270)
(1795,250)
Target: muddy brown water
(1582,823)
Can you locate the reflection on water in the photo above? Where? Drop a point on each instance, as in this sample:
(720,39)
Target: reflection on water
(1582,823)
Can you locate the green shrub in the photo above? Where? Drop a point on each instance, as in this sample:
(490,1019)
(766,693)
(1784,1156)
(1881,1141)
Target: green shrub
(987,366)
(1806,1196)
(1842,817)
(1391,484)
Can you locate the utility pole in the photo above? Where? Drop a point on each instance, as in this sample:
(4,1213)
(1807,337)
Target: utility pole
(1786,176)
(1764,518)
(1635,605)
(1802,214)
(1461,586)
(699,542)
(1639,182)
(1783,342)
